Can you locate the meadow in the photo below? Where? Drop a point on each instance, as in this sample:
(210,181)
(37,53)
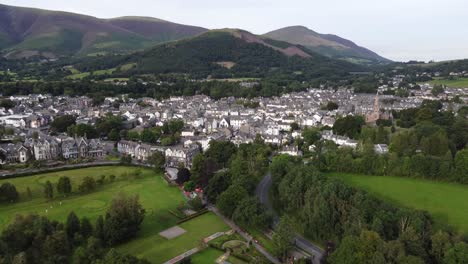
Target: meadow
(455,83)
(155,194)
(446,202)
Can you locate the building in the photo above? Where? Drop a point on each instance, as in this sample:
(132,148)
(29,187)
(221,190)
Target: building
(14,153)
(180,155)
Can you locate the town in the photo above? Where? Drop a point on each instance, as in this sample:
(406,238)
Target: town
(278,121)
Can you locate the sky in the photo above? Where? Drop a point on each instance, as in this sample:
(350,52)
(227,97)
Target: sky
(400,30)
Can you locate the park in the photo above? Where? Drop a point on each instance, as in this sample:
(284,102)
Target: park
(162,202)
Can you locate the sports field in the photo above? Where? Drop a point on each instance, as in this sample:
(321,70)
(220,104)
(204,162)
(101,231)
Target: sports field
(156,196)
(446,202)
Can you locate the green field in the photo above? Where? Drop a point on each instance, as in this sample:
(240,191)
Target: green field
(81,75)
(156,196)
(95,203)
(446,202)
(158,249)
(207,256)
(455,83)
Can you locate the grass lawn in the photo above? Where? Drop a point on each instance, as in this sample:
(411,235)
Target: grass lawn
(151,246)
(155,195)
(455,83)
(209,255)
(446,202)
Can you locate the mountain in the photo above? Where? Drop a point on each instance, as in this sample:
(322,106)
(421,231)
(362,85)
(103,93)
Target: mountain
(232,53)
(326,44)
(26,32)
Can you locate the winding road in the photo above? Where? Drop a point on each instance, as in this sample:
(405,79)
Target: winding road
(262,193)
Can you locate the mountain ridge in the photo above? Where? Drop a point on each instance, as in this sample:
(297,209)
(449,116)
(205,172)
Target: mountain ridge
(326,44)
(30,31)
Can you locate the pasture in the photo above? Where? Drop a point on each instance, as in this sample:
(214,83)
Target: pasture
(446,202)
(455,83)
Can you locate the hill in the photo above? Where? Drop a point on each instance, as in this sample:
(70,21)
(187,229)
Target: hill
(25,32)
(232,53)
(325,44)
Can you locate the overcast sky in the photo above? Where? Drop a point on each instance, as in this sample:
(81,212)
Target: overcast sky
(397,29)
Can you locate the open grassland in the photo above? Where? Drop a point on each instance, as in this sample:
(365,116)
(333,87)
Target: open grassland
(446,202)
(455,83)
(156,196)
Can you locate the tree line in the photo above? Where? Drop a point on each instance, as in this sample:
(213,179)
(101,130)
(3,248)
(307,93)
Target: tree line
(430,143)
(356,226)
(37,239)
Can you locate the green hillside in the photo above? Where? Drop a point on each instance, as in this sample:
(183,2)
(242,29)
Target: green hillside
(236,54)
(25,32)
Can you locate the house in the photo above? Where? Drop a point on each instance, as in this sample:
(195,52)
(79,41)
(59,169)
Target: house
(14,153)
(45,148)
(292,150)
(381,148)
(180,155)
(74,148)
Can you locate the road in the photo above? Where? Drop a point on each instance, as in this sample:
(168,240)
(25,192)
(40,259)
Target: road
(262,193)
(246,236)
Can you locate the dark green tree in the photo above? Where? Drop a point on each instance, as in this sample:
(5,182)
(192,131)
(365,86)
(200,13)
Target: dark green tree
(48,190)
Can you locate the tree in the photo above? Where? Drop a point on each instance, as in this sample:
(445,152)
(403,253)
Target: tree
(461,166)
(202,169)
(331,106)
(8,193)
(189,186)
(294,126)
(99,231)
(217,185)
(440,244)
(438,89)
(48,190)
(7,103)
(457,254)
(88,184)
(123,219)
(29,193)
(113,256)
(72,226)
(86,229)
(196,203)
(157,160)
(183,176)
(229,200)
(64,185)
(349,126)
(221,152)
(56,248)
(251,213)
(283,237)
(61,123)
(82,130)
(311,135)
